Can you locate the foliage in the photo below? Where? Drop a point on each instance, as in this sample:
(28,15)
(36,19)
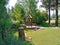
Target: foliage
(29,6)
(32,7)
(12,39)
(46,25)
(17,14)
(41,17)
(4,17)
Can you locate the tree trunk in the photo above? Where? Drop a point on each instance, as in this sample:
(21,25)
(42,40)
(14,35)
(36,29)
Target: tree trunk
(3,35)
(49,11)
(56,12)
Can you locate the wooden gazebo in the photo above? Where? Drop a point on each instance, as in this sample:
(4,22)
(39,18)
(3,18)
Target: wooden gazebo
(29,18)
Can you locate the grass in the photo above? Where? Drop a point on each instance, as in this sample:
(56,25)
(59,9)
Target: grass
(12,39)
(46,36)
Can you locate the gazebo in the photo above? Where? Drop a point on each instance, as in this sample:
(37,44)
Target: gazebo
(28,20)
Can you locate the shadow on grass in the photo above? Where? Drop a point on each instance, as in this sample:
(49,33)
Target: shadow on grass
(10,39)
(26,43)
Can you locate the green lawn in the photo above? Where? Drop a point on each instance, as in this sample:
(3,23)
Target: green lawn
(45,36)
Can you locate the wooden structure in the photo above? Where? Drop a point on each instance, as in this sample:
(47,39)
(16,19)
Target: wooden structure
(21,33)
(29,20)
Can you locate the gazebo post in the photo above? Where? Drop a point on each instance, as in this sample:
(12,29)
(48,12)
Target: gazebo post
(25,20)
(21,33)
(30,20)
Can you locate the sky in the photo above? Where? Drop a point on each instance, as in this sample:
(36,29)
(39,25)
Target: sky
(11,3)
(38,5)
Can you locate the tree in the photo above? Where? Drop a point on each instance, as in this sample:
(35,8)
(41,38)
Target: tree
(54,3)
(29,6)
(32,7)
(17,15)
(56,12)
(49,10)
(47,5)
(5,23)
(41,17)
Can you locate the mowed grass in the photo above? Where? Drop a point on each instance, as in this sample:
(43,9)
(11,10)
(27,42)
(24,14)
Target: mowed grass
(45,36)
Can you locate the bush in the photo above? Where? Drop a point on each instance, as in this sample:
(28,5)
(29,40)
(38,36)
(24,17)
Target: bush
(45,24)
(41,17)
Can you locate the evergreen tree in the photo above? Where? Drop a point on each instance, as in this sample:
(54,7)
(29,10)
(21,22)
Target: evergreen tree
(4,19)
